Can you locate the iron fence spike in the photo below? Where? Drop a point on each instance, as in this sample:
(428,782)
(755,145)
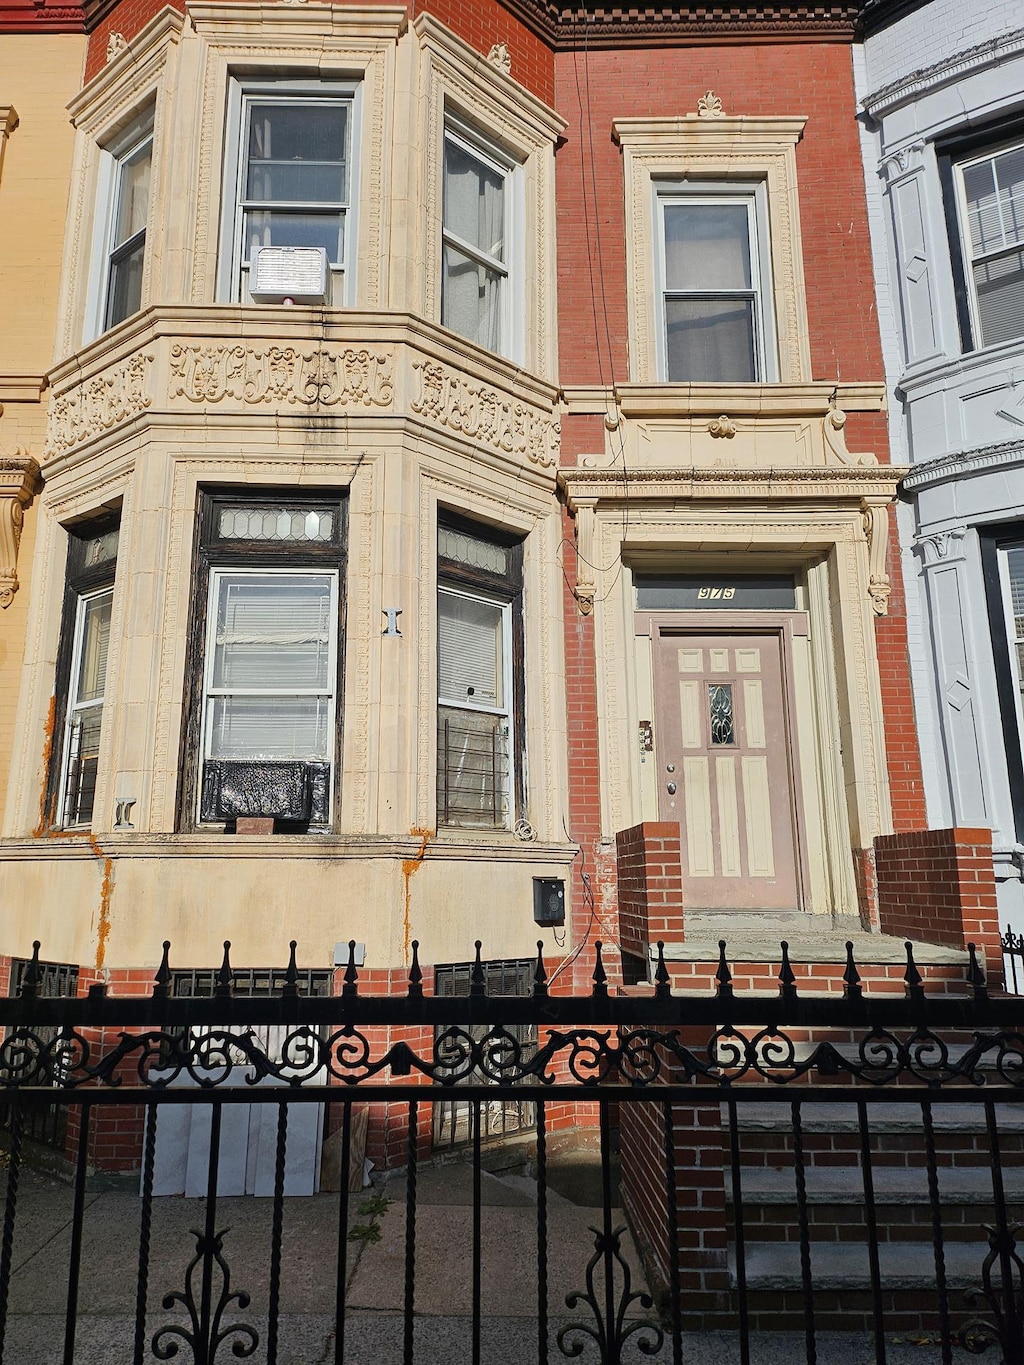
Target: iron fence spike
(975,975)
(600,977)
(662,980)
(852,988)
(912,976)
(33,974)
(162,980)
(723,976)
(540,976)
(225,976)
(477,980)
(787,976)
(415,971)
(351,986)
(291,976)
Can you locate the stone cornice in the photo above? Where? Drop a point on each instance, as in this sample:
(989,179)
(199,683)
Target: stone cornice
(673,400)
(960,64)
(789,482)
(39,16)
(977,461)
(21,388)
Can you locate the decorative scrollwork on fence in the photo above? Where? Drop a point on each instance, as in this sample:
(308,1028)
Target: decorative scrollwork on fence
(1005,1303)
(635,1057)
(609,1333)
(207,1333)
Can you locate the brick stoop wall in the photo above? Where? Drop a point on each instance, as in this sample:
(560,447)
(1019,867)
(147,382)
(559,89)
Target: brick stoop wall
(650,882)
(938,886)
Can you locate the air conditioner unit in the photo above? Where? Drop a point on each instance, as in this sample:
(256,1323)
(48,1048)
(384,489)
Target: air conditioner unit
(295,273)
(298,792)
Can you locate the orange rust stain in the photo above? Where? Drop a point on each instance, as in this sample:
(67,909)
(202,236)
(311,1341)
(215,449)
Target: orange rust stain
(409,867)
(106,894)
(46,817)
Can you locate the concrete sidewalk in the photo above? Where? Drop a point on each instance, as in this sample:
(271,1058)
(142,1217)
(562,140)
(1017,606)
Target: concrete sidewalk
(375,1278)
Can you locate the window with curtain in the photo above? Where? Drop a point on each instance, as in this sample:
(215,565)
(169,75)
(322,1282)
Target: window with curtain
(294,179)
(479,679)
(475,249)
(990,193)
(261,730)
(712,304)
(82,674)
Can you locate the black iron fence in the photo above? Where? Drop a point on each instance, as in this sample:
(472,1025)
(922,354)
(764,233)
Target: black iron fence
(788,1164)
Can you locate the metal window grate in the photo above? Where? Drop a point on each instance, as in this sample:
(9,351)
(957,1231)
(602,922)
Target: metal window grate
(45,1124)
(257,982)
(453,1119)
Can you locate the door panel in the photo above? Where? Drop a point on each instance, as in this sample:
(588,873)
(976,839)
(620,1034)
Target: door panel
(722,743)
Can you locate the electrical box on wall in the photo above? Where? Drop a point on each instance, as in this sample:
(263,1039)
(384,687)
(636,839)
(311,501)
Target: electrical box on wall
(549,900)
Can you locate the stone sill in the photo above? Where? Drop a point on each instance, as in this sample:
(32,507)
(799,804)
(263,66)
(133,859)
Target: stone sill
(829,946)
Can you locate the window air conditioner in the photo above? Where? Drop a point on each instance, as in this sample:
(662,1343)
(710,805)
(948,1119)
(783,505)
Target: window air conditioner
(283,274)
(297,792)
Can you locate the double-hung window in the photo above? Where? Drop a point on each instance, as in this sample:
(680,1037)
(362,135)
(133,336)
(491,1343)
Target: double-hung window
(294,179)
(124,215)
(479,678)
(82,673)
(715,286)
(990,203)
(477,248)
(262,729)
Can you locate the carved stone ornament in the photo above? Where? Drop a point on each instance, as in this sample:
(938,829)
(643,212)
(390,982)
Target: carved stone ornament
(722,426)
(833,428)
(319,377)
(451,401)
(116,44)
(710,106)
(500,57)
(19,483)
(94,406)
(876,528)
(584,591)
(942,545)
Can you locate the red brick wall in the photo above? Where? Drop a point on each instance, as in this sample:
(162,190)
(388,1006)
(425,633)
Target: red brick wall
(650,886)
(938,886)
(481,23)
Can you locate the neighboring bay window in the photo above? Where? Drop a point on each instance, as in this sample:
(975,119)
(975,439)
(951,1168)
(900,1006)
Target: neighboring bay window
(479,672)
(294,180)
(264,719)
(82,674)
(715,291)
(990,204)
(477,251)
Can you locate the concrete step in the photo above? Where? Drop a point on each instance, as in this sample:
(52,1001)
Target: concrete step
(894,1117)
(892,1185)
(775,1266)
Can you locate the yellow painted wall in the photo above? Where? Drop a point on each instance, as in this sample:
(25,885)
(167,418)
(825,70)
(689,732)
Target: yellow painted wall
(39,74)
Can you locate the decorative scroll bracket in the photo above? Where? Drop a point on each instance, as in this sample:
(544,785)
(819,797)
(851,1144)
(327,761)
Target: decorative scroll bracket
(834,430)
(876,529)
(19,483)
(586,583)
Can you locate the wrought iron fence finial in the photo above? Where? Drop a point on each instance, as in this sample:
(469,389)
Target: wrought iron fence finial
(33,975)
(723,976)
(540,976)
(225,976)
(415,971)
(351,986)
(975,975)
(290,988)
(787,977)
(662,981)
(913,978)
(162,980)
(477,980)
(600,976)
(852,988)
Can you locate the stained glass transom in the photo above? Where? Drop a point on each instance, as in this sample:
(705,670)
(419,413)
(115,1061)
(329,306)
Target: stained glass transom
(296,524)
(470,550)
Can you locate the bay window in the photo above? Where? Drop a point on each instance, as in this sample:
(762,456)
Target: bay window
(122,218)
(990,208)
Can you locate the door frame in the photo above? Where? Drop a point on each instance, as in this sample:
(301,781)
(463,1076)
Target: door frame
(659,625)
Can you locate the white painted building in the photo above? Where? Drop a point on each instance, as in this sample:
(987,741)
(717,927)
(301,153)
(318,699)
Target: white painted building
(942,95)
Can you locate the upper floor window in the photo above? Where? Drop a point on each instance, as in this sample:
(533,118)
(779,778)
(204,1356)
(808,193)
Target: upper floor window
(477,216)
(122,219)
(715,287)
(82,672)
(293,180)
(990,203)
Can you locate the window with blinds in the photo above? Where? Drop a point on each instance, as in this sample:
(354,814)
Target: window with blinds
(261,729)
(479,673)
(1013,588)
(991,206)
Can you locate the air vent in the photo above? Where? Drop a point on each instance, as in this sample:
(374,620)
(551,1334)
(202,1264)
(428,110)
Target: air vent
(296,274)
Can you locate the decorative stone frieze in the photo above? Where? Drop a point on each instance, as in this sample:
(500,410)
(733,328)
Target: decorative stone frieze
(19,483)
(99,403)
(290,375)
(450,400)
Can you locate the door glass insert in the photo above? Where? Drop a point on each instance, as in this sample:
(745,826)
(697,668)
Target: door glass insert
(720,705)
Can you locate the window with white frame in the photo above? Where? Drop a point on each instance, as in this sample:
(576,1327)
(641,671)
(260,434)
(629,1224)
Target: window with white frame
(477,250)
(82,673)
(1011,570)
(479,678)
(261,733)
(990,203)
(124,201)
(294,177)
(715,286)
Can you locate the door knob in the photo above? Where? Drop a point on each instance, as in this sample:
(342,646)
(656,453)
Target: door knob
(670,787)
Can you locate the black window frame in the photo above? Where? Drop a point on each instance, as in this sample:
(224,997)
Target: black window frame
(211,551)
(80,580)
(992,540)
(1003,131)
(507,590)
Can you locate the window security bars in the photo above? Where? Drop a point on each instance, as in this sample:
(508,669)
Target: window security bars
(46,1124)
(798,1161)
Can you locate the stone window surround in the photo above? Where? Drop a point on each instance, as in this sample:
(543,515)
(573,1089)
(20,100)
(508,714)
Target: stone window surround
(8,123)
(745,150)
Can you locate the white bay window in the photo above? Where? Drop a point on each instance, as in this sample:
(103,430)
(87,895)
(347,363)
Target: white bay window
(990,201)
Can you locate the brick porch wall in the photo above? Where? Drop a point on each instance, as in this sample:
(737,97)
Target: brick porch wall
(938,886)
(650,883)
